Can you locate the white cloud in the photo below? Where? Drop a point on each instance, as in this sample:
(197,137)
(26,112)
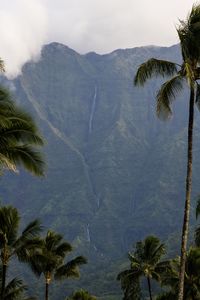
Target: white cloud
(23,30)
(85,25)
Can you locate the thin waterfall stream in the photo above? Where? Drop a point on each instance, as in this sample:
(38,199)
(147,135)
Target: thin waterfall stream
(92,111)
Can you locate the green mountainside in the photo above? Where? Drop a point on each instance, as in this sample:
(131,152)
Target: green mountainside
(115,172)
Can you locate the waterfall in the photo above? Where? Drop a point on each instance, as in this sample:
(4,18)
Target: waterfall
(98,201)
(92,110)
(88,233)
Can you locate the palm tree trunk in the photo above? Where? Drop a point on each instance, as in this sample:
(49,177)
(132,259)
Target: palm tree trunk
(47,290)
(187,197)
(149,287)
(3,280)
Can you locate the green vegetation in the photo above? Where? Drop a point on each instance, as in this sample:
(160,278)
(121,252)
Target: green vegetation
(45,255)
(19,136)
(81,295)
(49,260)
(145,261)
(13,245)
(189,36)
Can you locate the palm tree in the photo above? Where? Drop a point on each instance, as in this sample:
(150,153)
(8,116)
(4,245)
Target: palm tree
(192,275)
(49,261)
(15,290)
(13,245)
(189,71)
(130,284)
(145,261)
(81,295)
(18,137)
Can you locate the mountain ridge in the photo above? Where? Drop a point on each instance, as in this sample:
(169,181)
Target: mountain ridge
(115,172)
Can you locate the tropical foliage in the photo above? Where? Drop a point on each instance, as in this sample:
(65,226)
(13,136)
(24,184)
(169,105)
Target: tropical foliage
(145,262)
(11,243)
(18,137)
(192,275)
(81,295)
(15,290)
(49,260)
(189,36)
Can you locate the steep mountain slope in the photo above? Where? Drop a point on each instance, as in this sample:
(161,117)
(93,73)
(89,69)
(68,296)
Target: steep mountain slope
(115,172)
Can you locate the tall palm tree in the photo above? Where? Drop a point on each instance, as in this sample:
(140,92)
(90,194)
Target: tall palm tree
(145,261)
(12,244)
(189,71)
(19,137)
(49,261)
(192,275)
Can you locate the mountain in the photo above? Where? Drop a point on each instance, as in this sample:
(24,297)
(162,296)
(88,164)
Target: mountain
(115,172)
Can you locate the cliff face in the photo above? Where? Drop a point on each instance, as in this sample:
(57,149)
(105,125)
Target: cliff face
(115,172)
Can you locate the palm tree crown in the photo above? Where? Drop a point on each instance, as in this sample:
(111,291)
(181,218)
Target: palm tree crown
(81,295)
(49,260)
(145,261)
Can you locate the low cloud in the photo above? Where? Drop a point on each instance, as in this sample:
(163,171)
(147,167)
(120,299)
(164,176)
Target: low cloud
(89,25)
(23,30)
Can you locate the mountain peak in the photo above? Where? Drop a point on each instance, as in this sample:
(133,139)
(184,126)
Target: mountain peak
(54,47)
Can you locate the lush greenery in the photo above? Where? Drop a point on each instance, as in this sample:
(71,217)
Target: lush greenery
(146,261)
(44,255)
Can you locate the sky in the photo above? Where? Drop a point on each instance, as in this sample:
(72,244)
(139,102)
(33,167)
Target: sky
(85,25)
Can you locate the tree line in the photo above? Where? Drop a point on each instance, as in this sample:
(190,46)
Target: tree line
(45,255)
(146,262)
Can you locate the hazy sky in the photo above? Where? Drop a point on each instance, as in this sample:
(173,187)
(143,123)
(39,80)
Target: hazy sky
(85,25)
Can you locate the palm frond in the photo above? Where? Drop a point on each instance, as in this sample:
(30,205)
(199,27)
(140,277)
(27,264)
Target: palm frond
(18,137)
(66,272)
(70,269)
(154,67)
(82,295)
(189,74)
(31,230)
(130,284)
(63,249)
(9,224)
(167,94)
(189,35)
(14,289)
(26,248)
(52,240)
(25,155)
